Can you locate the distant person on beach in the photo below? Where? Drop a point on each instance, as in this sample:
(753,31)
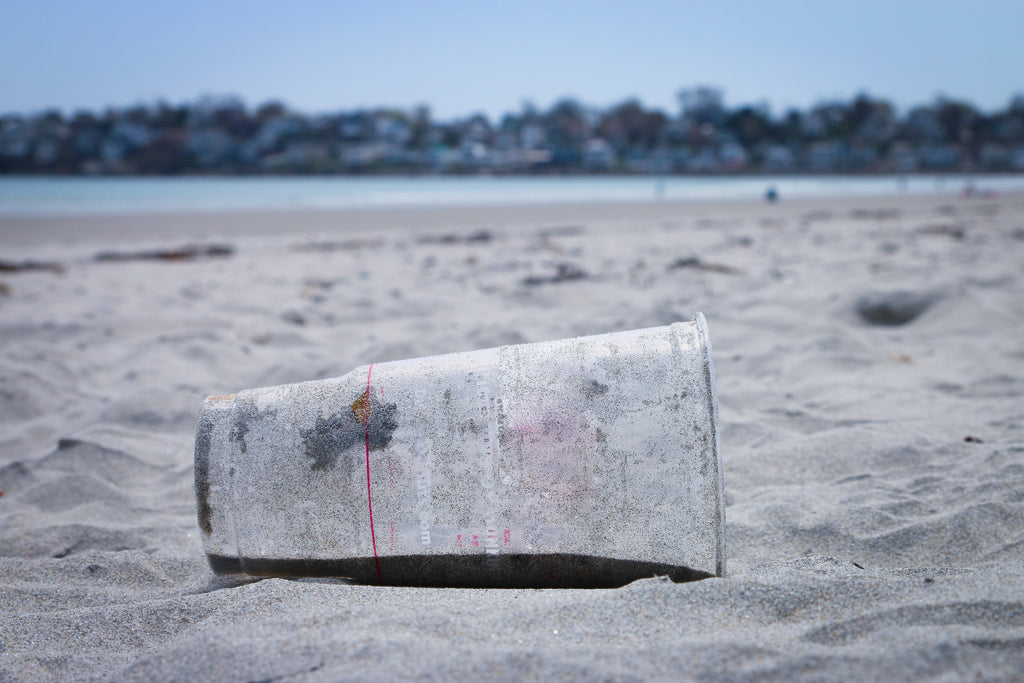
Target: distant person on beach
(771,194)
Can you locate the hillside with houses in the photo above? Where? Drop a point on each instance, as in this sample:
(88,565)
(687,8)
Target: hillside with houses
(221,135)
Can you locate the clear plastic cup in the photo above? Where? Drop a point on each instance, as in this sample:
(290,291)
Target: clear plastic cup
(591,461)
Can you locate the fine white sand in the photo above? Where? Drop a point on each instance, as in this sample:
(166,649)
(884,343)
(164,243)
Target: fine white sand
(870,358)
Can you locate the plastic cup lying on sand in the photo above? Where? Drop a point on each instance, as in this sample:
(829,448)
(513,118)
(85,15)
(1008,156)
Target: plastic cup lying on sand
(586,462)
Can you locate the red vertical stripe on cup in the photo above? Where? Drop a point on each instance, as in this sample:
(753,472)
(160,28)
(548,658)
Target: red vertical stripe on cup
(369,495)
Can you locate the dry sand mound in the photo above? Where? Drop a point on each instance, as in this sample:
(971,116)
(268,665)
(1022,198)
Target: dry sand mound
(871,376)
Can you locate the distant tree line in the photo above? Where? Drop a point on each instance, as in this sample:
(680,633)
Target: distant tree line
(220,135)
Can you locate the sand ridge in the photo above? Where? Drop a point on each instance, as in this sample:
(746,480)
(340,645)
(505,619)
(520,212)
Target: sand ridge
(871,380)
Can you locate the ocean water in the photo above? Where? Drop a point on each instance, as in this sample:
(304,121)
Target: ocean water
(60,195)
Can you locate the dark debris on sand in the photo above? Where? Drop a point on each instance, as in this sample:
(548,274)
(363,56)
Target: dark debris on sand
(698,264)
(957,232)
(25,266)
(189,252)
(340,245)
(477,237)
(564,272)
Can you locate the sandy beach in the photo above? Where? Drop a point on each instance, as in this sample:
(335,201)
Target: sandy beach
(870,363)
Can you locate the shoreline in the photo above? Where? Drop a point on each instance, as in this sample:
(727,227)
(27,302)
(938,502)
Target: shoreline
(48,196)
(150,226)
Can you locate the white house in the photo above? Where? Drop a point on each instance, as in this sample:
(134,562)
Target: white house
(598,155)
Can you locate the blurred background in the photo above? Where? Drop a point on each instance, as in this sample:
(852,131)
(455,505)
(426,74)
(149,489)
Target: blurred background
(119,87)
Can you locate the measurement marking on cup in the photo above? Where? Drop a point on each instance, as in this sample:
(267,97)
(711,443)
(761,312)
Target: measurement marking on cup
(422,476)
(490,413)
(369,495)
(423,488)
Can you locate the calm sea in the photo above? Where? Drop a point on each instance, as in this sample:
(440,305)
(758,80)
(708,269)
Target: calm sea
(42,195)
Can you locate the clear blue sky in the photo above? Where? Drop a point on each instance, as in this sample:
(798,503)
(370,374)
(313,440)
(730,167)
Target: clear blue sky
(491,56)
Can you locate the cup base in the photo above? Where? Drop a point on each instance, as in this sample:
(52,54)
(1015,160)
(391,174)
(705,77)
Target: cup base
(552,570)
